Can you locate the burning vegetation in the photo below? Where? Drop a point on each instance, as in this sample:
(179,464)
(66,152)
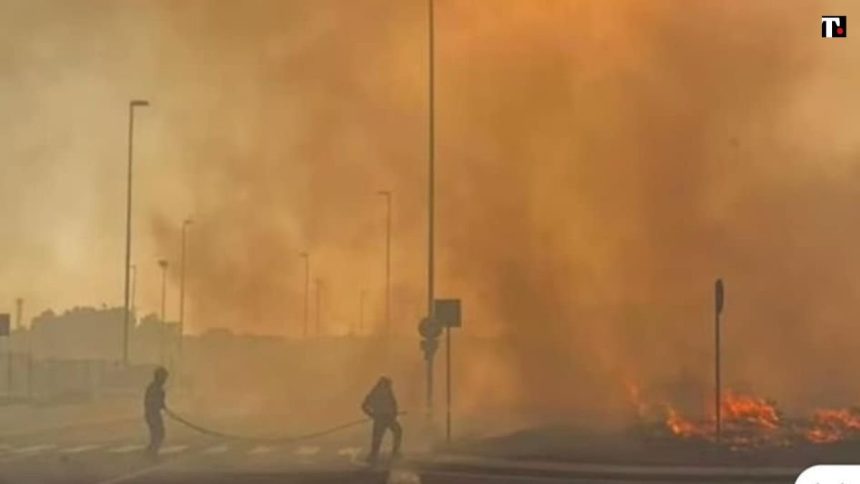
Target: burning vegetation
(747,421)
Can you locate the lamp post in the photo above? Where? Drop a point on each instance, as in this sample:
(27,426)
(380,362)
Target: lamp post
(133,286)
(163,264)
(307,258)
(131,105)
(185,224)
(319,305)
(430,343)
(361,312)
(387,195)
(719,298)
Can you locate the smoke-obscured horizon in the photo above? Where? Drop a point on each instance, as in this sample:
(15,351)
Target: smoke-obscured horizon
(599,165)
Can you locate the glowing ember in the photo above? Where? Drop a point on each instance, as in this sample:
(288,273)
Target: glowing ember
(684,428)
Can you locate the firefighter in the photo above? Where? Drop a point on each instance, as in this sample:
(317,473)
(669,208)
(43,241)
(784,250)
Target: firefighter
(381,406)
(153,404)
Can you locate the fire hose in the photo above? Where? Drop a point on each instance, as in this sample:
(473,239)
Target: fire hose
(281,439)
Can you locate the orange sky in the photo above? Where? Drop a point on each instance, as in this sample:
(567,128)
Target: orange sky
(599,164)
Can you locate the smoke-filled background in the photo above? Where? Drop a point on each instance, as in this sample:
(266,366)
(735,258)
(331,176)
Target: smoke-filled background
(599,164)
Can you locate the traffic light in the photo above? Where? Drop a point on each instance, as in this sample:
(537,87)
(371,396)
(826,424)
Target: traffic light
(430,331)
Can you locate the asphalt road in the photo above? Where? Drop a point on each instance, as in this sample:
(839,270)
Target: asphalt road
(112,452)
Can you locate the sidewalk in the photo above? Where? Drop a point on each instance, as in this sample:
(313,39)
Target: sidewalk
(533,468)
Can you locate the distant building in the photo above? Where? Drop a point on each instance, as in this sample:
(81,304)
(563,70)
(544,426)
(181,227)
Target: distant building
(87,333)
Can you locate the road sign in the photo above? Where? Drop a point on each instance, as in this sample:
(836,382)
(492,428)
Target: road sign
(4,324)
(718,296)
(447,312)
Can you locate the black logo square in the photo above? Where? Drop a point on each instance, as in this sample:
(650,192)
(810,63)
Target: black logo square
(834,26)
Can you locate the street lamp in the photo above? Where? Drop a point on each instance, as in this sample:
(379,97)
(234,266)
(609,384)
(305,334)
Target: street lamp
(387,195)
(319,307)
(185,223)
(361,312)
(429,344)
(131,105)
(133,285)
(307,259)
(163,264)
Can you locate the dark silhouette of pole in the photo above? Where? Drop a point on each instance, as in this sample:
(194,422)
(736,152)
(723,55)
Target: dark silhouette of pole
(182,268)
(718,305)
(361,312)
(133,286)
(430,199)
(387,195)
(19,312)
(307,259)
(131,105)
(19,309)
(319,306)
(163,264)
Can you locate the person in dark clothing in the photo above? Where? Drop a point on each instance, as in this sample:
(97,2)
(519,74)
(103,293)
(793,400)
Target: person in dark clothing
(153,404)
(381,406)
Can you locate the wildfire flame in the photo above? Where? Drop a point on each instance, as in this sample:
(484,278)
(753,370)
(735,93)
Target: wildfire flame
(750,422)
(833,425)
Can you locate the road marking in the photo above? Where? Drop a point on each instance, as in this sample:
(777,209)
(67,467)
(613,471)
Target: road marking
(262,449)
(352,453)
(402,476)
(172,449)
(308,450)
(81,448)
(218,449)
(125,449)
(34,449)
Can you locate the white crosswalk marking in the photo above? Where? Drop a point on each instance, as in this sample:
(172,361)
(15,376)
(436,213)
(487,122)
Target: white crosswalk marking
(349,451)
(125,449)
(399,476)
(308,450)
(262,449)
(81,448)
(34,449)
(172,449)
(352,453)
(218,449)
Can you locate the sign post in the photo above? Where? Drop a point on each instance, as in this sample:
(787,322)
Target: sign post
(5,331)
(447,313)
(718,310)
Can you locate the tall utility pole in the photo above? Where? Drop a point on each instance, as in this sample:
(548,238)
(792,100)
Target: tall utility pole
(307,258)
(131,105)
(19,313)
(133,285)
(718,306)
(319,306)
(430,201)
(185,224)
(19,309)
(163,264)
(361,312)
(387,195)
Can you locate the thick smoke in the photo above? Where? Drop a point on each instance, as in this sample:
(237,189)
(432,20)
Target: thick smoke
(599,165)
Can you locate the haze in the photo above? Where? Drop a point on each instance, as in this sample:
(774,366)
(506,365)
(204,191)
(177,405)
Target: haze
(599,165)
